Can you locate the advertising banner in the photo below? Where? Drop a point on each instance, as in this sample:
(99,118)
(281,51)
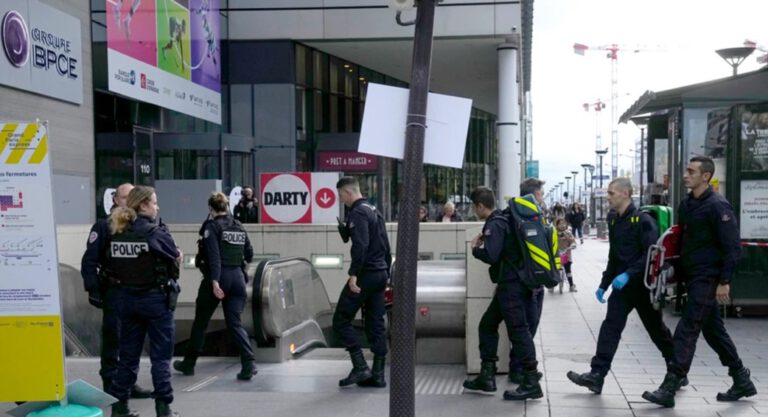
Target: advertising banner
(299,197)
(42,50)
(754,209)
(30,308)
(754,136)
(166,52)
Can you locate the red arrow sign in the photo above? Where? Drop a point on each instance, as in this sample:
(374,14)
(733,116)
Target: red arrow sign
(325,198)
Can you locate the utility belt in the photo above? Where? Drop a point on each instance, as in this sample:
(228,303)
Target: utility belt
(169,286)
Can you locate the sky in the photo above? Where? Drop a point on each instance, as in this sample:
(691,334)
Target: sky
(677,39)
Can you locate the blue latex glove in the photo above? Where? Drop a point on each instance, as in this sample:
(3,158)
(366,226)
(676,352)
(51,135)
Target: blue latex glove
(599,294)
(620,281)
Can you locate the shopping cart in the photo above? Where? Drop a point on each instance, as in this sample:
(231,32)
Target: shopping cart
(659,269)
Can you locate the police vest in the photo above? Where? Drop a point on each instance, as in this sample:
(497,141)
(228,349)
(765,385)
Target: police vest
(231,241)
(131,261)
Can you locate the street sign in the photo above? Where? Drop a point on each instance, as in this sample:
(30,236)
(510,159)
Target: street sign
(601,192)
(299,197)
(532,169)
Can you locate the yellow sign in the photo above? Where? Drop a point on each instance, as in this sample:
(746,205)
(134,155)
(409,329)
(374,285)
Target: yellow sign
(31,351)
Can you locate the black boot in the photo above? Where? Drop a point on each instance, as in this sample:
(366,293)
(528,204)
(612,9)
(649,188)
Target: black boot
(360,371)
(186,367)
(120,409)
(486,381)
(377,374)
(591,380)
(163,409)
(530,388)
(248,370)
(139,392)
(665,395)
(742,386)
(516,377)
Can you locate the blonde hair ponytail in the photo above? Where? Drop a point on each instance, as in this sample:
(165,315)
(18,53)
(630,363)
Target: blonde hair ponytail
(120,218)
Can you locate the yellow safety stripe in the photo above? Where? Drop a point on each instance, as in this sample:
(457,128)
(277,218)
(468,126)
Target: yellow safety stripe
(534,250)
(6,133)
(541,262)
(554,239)
(558,264)
(22,144)
(40,151)
(526,203)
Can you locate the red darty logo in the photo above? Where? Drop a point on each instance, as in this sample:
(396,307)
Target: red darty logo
(286,198)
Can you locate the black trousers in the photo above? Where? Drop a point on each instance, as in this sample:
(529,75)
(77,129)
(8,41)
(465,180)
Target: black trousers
(110,336)
(371,300)
(701,315)
(533,315)
(232,283)
(620,304)
(511,303)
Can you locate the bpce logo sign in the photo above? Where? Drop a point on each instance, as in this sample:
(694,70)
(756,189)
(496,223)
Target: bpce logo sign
(49,50)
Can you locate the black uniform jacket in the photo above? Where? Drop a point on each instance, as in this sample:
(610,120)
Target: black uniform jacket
(370,245)
(497,250)
(95,254)
(710,243)
(630,235)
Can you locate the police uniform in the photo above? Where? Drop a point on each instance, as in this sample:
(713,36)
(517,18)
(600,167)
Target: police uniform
(143,263)
(101,295)
(228,249)
(513,302)
(371,260)
(630,235)
(710,249)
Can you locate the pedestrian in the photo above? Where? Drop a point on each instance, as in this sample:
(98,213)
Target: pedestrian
(226,252)
(576,218)
(630,235)
(565,244)
(710,248)
(510,302)
(423,214)
(368,276)
(449,214)
(96,277)
(144,261)
(247,209)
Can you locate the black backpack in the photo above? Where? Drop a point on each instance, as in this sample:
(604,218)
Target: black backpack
(537,241)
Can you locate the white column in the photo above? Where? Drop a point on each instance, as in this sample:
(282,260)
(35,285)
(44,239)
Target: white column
(509,129)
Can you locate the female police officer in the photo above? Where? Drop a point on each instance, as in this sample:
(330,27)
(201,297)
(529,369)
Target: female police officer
(226,248)
(144,259)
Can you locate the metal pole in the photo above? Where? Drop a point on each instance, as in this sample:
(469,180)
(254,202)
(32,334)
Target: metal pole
(402,397)
(601,187)
(642,162)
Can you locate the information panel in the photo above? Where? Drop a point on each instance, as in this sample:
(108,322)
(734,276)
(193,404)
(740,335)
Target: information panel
(31,351)
(166,52)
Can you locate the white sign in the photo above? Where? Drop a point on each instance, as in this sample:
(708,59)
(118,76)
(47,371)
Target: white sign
(601,192)
(234,198)
(754,209)
(42,50)
(300,197)
(384,120)
(107,199)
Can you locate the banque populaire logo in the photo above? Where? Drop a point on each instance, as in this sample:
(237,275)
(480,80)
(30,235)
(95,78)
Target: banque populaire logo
(15,38)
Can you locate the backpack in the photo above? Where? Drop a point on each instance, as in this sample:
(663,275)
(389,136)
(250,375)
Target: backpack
(537,241)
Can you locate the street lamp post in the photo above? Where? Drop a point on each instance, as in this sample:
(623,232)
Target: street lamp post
(575,173)
(567,187)
(601,222)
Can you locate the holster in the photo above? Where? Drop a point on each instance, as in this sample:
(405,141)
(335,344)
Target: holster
(172,290)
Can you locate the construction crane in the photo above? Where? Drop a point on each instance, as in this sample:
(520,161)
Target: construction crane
(762,59)
(612,53)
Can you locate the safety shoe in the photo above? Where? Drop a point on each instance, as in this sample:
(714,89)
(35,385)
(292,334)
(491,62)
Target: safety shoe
(360,371)
(572,288)
(163,409)
(248,370)
(742,386)
(590,380)
(485,381)
(377,374)
(665,395)
(530,389)
(184,367)
(516,377)
(138,392)
(120,409)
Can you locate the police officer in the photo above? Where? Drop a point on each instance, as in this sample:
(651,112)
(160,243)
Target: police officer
(368,275)
(630,234)
(710,248)
(510,302)
(144,261)
(100,294)
(227,250)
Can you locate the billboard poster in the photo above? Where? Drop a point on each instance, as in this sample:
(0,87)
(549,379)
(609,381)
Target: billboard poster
(754,136)
(30,306)
(166,52)
(41,50)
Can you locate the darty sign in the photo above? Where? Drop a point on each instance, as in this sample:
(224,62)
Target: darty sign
(42,48)
(299,197)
